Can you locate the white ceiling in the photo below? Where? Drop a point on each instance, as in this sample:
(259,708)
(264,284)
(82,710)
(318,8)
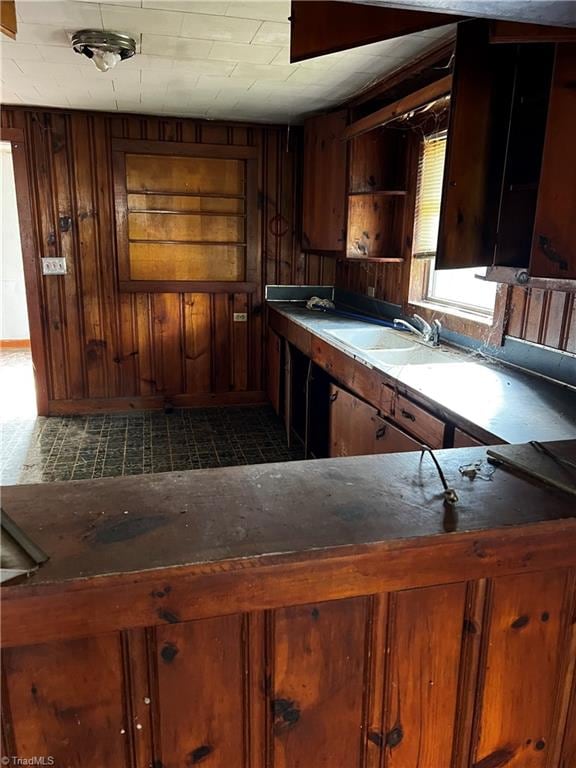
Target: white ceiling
(196,58)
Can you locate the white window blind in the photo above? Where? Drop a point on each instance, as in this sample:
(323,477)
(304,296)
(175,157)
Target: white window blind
(429,194)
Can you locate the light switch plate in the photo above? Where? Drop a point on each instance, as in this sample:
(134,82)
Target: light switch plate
(371,291)
(240,317)
(53,265)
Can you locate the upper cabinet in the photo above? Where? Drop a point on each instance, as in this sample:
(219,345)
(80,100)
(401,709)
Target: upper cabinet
(509,191)
(324,197)
(554,242)
(377,194)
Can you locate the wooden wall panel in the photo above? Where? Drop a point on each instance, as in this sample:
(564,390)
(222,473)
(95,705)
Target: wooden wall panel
(520,701)
(104,345)
(66,701)
(319,667)
(425,641)
(200,693)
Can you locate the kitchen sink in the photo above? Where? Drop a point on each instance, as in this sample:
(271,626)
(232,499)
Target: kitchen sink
(416,355)
(393,349)
(370,339)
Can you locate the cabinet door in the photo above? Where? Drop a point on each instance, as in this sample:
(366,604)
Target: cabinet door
(480,107)
(274,356)
(357,429)
(464,440)
(554,243)
(324,199)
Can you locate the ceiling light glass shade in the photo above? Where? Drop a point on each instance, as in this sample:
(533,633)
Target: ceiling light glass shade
(105,60)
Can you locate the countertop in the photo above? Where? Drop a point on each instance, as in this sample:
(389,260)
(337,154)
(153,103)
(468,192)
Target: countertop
(503,403)
(240,517)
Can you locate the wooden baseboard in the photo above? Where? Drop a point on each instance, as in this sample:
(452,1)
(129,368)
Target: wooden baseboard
(153,402)
(14,343)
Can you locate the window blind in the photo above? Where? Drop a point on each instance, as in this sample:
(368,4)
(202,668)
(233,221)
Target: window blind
(429,195)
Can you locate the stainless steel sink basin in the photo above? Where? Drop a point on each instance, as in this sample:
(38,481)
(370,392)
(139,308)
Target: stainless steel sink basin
(417,355)
(370,339)
(393,349)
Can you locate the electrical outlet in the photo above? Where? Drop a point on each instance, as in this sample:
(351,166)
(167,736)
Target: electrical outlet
(371,291)
(54,266)
(240,317)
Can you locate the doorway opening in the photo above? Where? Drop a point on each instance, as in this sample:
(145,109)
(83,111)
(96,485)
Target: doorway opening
(18,409)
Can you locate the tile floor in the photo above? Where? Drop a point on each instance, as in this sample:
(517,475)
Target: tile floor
(39,449)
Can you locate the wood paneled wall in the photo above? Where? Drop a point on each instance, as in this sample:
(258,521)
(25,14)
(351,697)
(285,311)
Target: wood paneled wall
(107,349)
(543,317)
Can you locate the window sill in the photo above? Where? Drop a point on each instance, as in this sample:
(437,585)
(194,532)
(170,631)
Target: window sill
(490,330)
(473,317)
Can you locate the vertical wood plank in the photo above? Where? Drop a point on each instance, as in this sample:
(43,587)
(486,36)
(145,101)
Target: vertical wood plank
(425,644)
(167,340)
(525,648)
(67,247)
(319,667)
(197,334)
(221,349)
(95,341)
(66,701)
(201,705)
(138,696)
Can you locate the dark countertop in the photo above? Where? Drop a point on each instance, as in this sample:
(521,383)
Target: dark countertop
(272,513)
(503,402)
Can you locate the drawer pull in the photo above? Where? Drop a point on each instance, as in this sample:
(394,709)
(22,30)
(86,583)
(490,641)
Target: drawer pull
(380,433)
(407,415)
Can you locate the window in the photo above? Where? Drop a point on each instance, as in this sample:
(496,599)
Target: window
(456,289)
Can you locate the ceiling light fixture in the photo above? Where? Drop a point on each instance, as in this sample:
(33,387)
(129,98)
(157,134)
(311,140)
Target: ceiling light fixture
(105,49)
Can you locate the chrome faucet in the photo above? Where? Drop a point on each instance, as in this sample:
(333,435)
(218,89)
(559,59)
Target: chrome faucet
(428,333)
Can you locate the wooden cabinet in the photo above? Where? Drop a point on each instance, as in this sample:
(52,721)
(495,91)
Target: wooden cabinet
(377,195)
(554,243)
(324,196)
(510,166)
(357,429)
(464,440)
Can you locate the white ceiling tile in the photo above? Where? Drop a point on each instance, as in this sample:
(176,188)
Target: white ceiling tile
(9,68)
(224,83)
(143,61)
(20,52)
(60,12)
(273,33)
(42,71)
(188,6)
(176,47)
(254,54)
(282,58)
(8,97)
(221,28)
(262,71)
(44,34)
(141,20)
(130,3)
(57,54)
(270,10)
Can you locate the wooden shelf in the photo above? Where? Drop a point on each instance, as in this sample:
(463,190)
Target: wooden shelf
(379,259)
(385,192)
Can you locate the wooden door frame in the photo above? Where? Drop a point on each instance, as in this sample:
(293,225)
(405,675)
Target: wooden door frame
(17,139)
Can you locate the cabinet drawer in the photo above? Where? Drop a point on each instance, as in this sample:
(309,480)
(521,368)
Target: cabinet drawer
(390,439)
(464,440)
(415,420)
